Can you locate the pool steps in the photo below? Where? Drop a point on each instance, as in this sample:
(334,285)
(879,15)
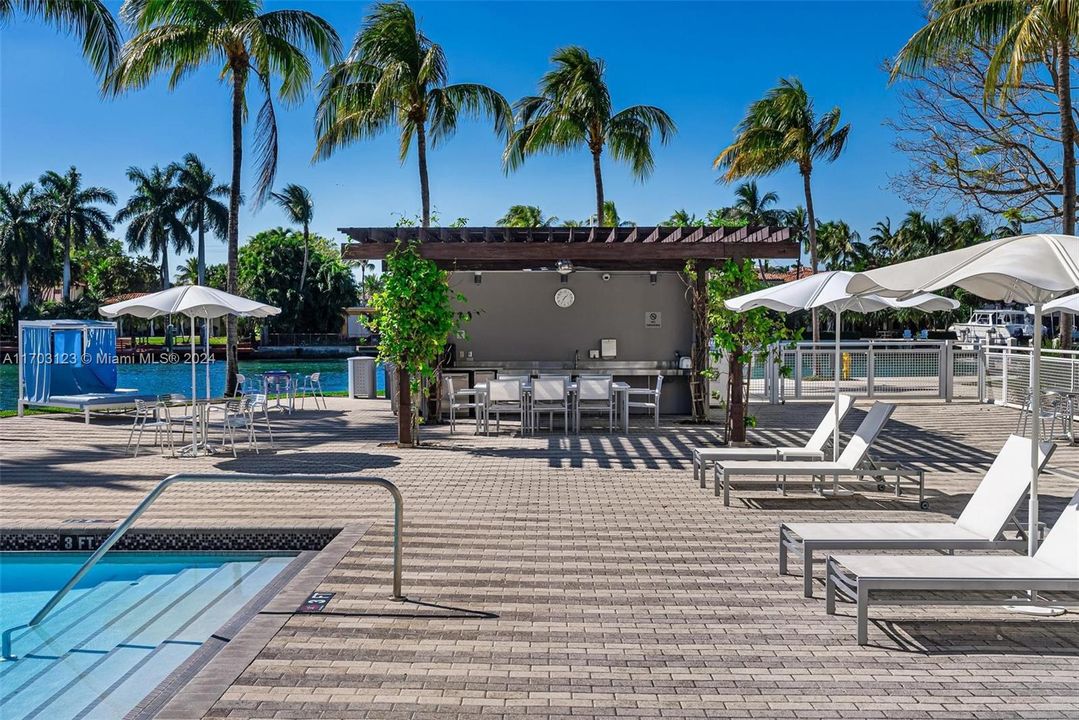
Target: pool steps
(109,643)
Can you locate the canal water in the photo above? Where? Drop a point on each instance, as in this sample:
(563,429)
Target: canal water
(161,378)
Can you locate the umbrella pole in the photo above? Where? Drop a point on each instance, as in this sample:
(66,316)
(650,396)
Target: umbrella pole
(206,325)
(194,390)
(1035,429)
(835,394)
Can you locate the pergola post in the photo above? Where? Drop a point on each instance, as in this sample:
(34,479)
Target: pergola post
(702,340)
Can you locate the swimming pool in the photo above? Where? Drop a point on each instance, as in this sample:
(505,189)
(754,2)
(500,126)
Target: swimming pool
(131,621)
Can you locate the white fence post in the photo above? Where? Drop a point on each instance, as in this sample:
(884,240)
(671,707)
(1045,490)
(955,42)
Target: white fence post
(870,369)
(797,372)
(981,360)
(948,369)
(1005,361)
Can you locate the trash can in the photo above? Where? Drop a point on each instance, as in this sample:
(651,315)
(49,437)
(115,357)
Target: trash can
(362,382)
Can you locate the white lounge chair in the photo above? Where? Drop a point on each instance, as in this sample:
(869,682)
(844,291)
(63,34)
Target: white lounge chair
(1054,568)
(812,450)
(853,462)
(979,527)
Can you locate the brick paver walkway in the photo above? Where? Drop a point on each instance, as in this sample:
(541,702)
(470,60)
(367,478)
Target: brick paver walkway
(590,577)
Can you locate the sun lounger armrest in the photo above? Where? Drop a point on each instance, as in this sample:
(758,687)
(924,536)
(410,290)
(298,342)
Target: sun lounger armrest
(799,454)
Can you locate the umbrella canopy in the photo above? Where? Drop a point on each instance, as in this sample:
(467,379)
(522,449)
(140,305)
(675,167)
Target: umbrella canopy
(1026,268)
(1068,304)
(193,301)
(829,290)
(190,300)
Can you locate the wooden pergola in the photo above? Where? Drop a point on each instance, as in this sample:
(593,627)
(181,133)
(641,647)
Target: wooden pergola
(590,248)
(598,248)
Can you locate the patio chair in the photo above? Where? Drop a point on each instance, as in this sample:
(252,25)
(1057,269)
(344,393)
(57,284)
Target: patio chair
(156,417)
(311,385)
(460,399)
(550,395)
(853,462)
(1055,407)
(187,418)
(1054,568)
(235,414)
(504,397)
(651,398)
(594,394)
(979,527)
(812,450)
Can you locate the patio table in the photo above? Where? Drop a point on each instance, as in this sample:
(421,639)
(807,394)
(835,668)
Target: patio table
(200,432)
(277,378)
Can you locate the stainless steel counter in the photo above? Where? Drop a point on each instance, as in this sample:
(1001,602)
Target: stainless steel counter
(626,368)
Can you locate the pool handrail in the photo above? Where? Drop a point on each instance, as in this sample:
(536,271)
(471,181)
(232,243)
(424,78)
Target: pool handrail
(112,539)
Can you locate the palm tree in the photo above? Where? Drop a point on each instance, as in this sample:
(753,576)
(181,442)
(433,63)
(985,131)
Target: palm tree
(72,216)
(798,222)
(681,218)
(573,109)
(177,36)
(781,129)
(198,196)
(525,216)
(23,241)
(610,217)
(365,266)
(88,20)
(299,208)
(153,213)
(754,208)
(841,248)
(397,76)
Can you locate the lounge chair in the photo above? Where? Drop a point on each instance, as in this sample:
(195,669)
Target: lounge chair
(979,527)
(1054,568)
(812,450)
(853,462)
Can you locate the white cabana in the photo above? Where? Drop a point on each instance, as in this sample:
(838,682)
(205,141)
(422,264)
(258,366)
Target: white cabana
(1032,269)
(829,290)
(195,301)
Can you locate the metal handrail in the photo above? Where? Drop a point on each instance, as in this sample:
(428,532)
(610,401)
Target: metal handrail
(398,520)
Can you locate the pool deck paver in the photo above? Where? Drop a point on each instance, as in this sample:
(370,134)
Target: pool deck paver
(553,577)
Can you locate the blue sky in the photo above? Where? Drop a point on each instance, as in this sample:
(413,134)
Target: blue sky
(702,62)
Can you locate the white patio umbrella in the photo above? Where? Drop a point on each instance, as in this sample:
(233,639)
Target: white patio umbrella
(829,290)
(1066,304)
(1032,269)
(193,301)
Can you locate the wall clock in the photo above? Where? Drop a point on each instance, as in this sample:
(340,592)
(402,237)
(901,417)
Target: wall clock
(564,297)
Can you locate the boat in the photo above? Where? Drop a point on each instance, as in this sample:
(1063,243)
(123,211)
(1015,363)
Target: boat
(995,326)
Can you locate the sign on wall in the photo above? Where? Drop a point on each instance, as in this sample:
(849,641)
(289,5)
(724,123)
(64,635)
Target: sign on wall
(653,319)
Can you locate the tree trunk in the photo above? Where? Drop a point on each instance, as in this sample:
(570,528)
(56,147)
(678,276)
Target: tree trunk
(1067,138)
(24,290)
(66,292)
(425,189)
(597,170)
(202,252)
(811,220)
(699,354)
(165,266)
(404,407)
(239,77)
(736,404)
(303,270)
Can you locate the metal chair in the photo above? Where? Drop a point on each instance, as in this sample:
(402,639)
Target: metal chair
(313,385)
(503,396)
(460,399)
(594,394)
(156,417)
(185,419)
(1055,407)
(651,401)
(550,395)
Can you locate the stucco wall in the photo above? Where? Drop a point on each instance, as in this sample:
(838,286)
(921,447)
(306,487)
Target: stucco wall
(515,317)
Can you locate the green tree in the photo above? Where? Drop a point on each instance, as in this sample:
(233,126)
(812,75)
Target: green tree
(215,276)
(88,20)
(526,216)
(270,266)
(299,208)
(23,242)
(198,197)
(683,218)
(841,248)
(610,217)
(178,36)
(109,272)
(573,110)
(413,318)
(395,76)
(754,207)
(782,129)
(153,216)
(72,215)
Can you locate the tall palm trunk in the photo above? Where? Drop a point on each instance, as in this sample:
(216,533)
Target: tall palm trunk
(66,292)
(425,189)
(811,220)
(165,265)
(597,170)
(24,290)
(239,76)
(303,270)
(1067,139)
(404,382)
(202,251)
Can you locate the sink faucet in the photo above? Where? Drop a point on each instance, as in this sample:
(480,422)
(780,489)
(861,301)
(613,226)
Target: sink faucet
(576,358)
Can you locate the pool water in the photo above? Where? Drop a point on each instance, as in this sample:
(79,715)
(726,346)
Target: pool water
(130,622)
(163,378)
